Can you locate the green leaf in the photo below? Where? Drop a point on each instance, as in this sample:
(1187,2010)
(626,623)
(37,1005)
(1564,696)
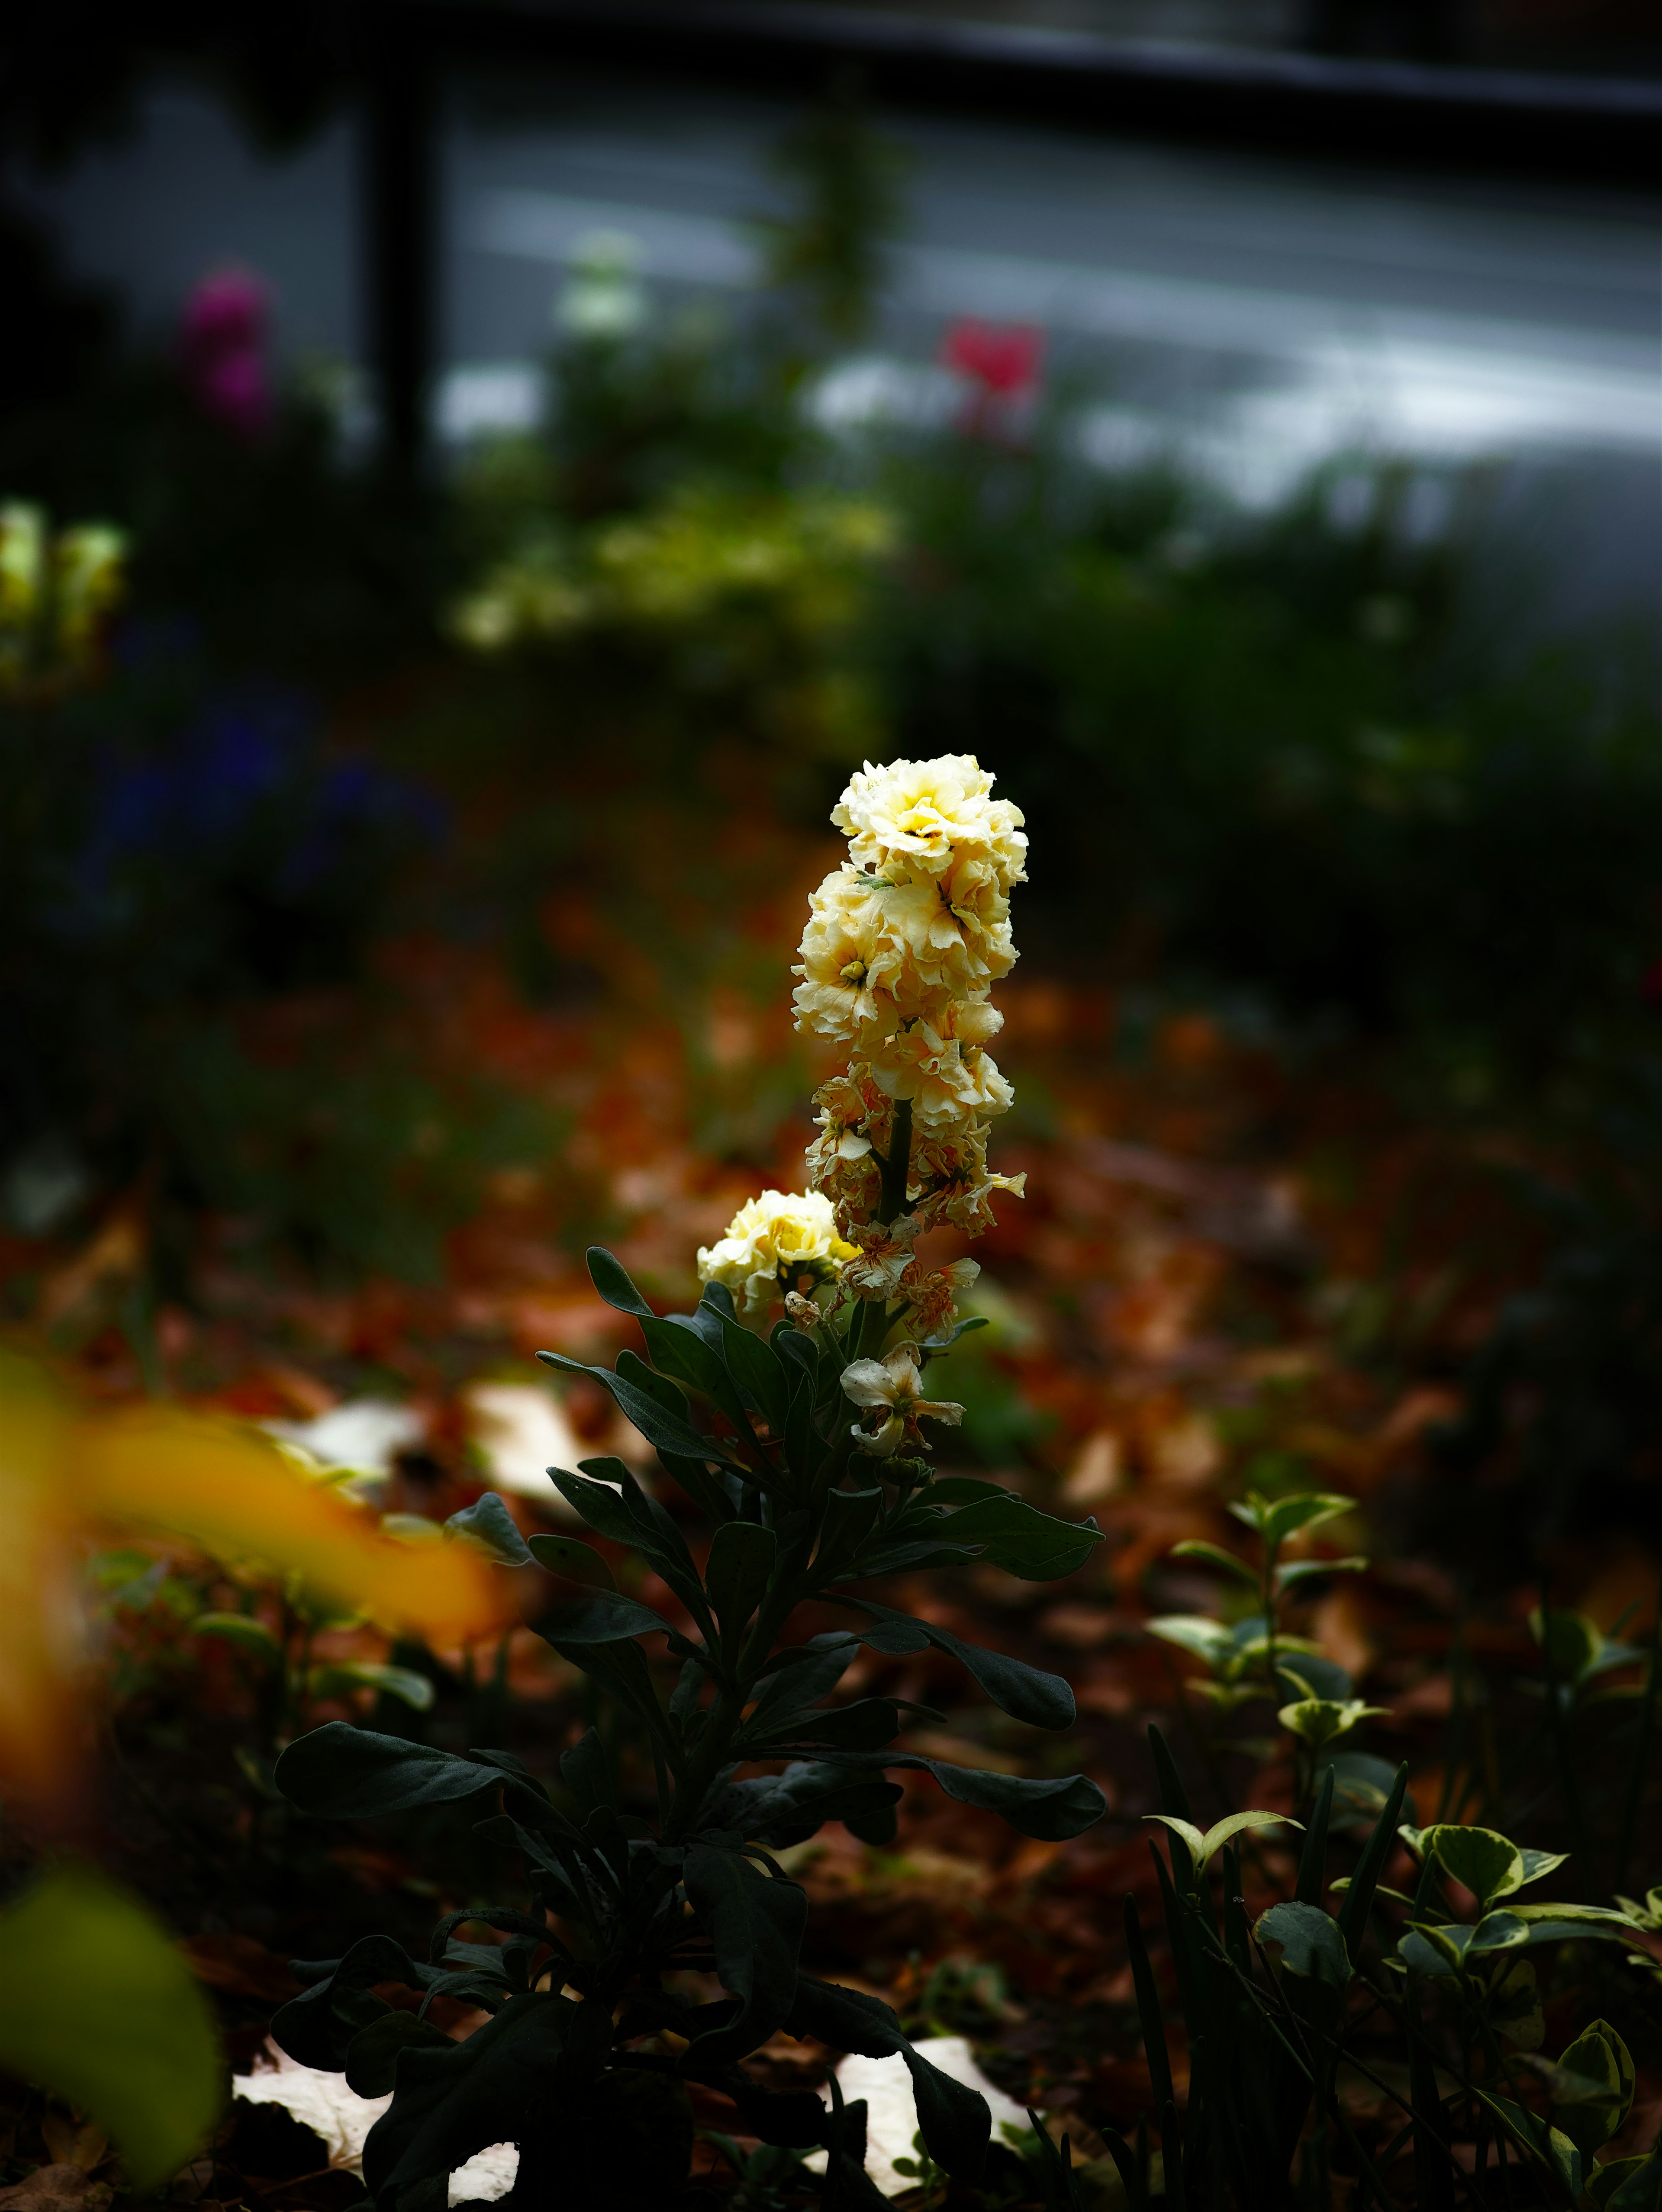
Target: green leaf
(612,1283)
(680,1351)
(1305,1571)
(756,1368)
(865,1725)
(1310,1943)
(577,1561)
(317,2027)
(755,1927)
(372,2056)
(1626,2184)
(1277,1520)
(1303,1675)
(602,1617)
(1486,1864)
(242,1630)
(1195,1548)
(487,1521)
(1201,1848)
(1197,1634)
(1022,1540)
(1359,1898)
(1361,1784)
(99,2006)
(338,1773)
(1553,1923)
(1555,2149)
(802,1798)
(1537,1864)
(1051,1811)
(661,1425)
(1602,2059)
(850,1515)
(339,1678)
(1319,1720)
(449,2104)
(742,1556)
(1025,1692)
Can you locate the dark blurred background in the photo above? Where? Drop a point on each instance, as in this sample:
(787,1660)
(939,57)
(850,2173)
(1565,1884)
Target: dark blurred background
(511,427)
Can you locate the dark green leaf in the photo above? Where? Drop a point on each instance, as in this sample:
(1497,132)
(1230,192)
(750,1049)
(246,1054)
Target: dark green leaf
(602,1616)
(490,1524)
(866,1725)
(317,2027)
(1051,1810)
(1022,1540)
(339,1772)
(850,1516)
(451,2103)
(742,1556)
(755,1926)
(578,1562)
(661,1425)
(1359,1898)
(372,2056)
(1024,1691)
(613,1284)
(952,2118)
(755,1365)
(681,1352)
(800,1799)
(823,1661)
(1310,1943)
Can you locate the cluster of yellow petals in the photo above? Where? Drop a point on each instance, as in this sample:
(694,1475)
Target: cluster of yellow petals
(903,946)
(771,1244)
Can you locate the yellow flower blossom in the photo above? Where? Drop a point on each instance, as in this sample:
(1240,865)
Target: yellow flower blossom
(929,814)
(770,1243)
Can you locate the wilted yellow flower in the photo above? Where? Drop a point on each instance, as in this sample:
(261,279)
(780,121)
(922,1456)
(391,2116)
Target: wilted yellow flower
(894,1386)
(770,1243)
(929,814)
(952,1185)
(932,1295)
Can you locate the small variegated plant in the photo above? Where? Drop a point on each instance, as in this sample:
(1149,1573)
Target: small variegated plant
(1277,2009)
(788,1410)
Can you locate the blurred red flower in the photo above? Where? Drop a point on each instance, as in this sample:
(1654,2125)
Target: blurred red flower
(222,337)
(1001,361)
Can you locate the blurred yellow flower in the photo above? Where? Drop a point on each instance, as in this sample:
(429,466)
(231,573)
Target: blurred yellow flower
(212,1482)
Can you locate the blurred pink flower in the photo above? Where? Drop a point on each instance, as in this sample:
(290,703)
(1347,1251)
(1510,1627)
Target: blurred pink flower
(1000,363)
(222,334)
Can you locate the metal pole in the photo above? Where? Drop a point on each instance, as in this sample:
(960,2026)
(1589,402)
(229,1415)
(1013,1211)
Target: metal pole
(399,203)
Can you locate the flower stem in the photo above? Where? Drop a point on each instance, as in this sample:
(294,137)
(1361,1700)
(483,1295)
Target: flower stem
(896,1165)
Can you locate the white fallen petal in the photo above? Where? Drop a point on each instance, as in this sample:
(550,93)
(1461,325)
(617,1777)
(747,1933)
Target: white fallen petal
(891,2109)
(364,1434)
(317,2101)
(521,1430)
(343,2119)
(487,2176)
